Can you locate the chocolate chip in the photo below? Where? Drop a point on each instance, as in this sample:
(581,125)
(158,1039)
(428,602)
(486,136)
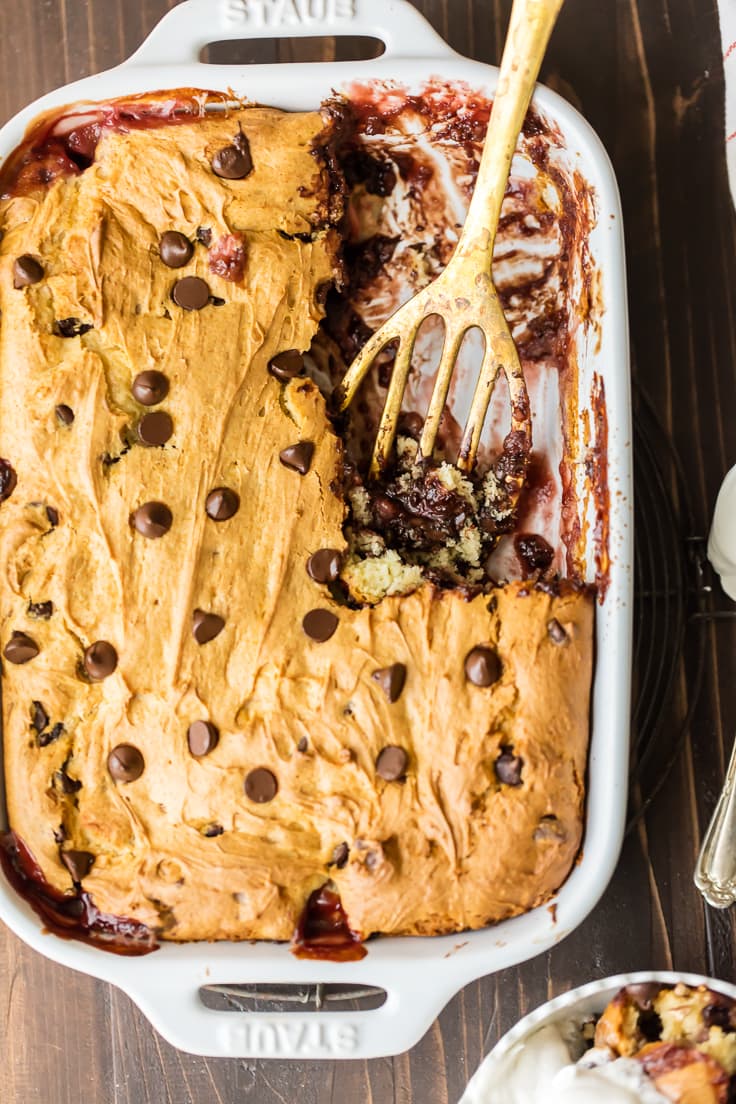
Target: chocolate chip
(302,745)
(150,388)
(156,428)
(717,1015)
(125,763)
(222,503)
(391,763)
(287,365)
(65,414)
(391,680)
(534,553)
(211,830)
(152,519)
(206,626)
(340,856)
(26,271)
(385,508)
(202,737)
(39,717)
(411,424)
(556,631)
(53,515)
(508,767)
(71,327)
(20,648)
(204,235)
(100,660)
(549,828)
(175,249)
(324,566)
(320,624)
(51,736)
(650,1025)
(40,611)
(261,785)
(643,993)
(60,834)
(298,457)
(233,162)
(66,784)
(78,863)
(482,666)
(190,293)
(8,480)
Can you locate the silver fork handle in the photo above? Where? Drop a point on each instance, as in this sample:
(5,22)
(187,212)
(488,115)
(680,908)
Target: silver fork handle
(715,872)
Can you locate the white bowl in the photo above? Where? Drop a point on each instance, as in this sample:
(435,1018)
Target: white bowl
(586,1000)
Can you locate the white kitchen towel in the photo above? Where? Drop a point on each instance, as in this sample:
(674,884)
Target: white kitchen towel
(727,13)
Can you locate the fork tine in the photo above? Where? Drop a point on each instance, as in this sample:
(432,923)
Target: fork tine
(500,352)
(351,381)
(450,350)
(390,416)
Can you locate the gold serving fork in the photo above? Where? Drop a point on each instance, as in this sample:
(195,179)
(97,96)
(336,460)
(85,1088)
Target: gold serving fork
(463,295)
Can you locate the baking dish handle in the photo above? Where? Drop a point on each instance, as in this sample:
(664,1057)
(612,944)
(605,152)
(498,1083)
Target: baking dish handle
(176,1011)
(184,31)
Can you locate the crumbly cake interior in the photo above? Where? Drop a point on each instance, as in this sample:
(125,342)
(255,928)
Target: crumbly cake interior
(683,1036)
(238,679)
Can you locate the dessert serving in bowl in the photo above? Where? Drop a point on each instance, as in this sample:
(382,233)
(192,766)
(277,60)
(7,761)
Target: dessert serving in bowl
(250,695)
(642,1038)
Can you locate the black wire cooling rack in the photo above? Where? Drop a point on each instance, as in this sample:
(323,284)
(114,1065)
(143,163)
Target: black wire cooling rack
(675,598)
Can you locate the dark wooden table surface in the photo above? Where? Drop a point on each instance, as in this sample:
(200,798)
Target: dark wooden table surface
(648,75)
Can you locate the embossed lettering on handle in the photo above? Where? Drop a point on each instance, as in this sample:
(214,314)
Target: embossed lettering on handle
(715,873)
(288,13)
(289,1038)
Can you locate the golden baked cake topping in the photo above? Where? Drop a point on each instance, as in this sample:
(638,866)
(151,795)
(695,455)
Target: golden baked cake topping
(235,753)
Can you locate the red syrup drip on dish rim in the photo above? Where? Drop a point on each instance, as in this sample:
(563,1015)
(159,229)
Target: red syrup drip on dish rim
(64,144)
(323,930)
(66,915)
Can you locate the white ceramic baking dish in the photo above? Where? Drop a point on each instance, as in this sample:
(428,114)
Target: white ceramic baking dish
(576,1005)
(420,975)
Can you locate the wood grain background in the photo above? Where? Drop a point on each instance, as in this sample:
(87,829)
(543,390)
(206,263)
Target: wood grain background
(648,76)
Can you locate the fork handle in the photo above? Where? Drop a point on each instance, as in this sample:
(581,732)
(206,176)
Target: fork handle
(715,872)
(530,26)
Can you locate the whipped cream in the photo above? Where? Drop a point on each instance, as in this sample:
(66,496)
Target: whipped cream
(541,1071)
(722,539)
